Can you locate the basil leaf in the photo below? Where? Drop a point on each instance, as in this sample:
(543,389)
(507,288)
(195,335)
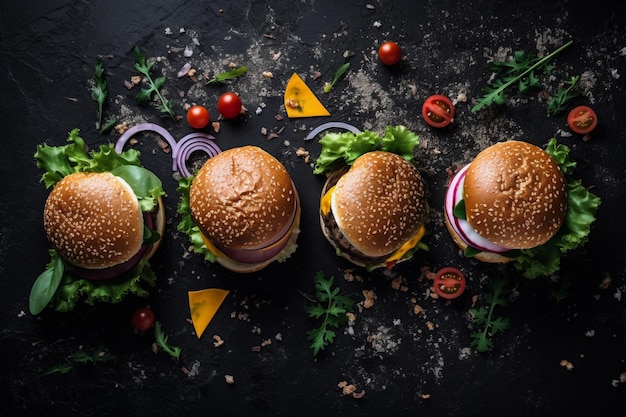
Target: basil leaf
(459,210)
(145,184)
(46,286)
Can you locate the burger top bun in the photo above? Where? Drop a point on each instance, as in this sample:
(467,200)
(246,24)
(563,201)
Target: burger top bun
(243,198)
(515,195)
(94,220)
(379,203)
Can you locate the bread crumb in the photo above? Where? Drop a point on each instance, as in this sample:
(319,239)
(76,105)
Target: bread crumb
(606,282)
(218,341)
(370,297)
(567,364)
(229,379)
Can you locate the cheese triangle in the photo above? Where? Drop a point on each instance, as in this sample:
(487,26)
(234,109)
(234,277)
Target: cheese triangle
(300,100)
(203,304)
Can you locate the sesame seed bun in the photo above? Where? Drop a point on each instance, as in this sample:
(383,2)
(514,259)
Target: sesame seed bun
(245,203)
(515,195)
(94,220)
(376,207)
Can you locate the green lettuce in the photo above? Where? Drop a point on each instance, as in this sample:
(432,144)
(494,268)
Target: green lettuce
(58,287)
(344,148)
(186,223)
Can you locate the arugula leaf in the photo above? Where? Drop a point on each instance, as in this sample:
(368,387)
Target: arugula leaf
(222,77)
(145,95)
(99,90)
(519,71)
(162,342)
(563,94)
(331,307)
(346,147)
(342,69)
(484,315)
(81,357)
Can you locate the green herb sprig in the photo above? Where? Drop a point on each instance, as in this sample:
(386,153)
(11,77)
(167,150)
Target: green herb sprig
(342,69)
(519,71)
(484,315)
(222,77)
(562,96)
(331,307)
(161,340)
(145,95)
(99,94)
(81,357)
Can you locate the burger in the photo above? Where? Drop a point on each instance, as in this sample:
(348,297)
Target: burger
(373,209)
(104,219)
(516,202)
(241,209)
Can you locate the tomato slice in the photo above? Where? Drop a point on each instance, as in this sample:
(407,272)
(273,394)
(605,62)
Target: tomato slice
(438,111)
(582,119)
(449,283)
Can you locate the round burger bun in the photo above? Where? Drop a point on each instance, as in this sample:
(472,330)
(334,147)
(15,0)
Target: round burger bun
(379,203)
(488,257)
(243,198)
(94,220)
(515,195)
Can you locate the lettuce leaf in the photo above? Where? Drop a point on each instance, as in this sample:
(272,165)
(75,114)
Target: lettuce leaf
(60,161)
(582,206)
(344,148)
(187,225)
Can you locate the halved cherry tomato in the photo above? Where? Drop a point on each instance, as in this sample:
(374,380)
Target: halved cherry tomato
(389,53)
(449,283)
(143,318)
(198,117)
(438,111)
(229,105)
(582,119)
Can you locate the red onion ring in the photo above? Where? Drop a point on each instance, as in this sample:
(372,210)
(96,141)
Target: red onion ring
(330,125)
(142,127)
(466,232)
(181,151)
(193,142)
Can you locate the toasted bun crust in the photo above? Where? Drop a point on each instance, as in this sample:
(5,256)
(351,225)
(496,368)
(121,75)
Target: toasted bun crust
(379,203)
(93,220)
(246,268)
(515,195)
(243,198)
(489,257)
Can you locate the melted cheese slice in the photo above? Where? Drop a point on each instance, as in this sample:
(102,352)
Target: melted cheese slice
(300,100)
(203,304)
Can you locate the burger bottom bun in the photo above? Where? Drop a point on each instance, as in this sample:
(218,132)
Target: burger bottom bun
(159,222)
(245,268)
(489,257)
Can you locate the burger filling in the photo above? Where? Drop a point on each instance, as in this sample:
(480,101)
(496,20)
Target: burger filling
(344,246)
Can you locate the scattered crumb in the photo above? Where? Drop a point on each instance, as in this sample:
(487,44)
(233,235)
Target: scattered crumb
(370,297)
(606,281)
(567,364)
(229,379)
(218,341)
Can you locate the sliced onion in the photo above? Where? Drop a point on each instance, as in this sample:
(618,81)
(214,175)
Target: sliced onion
(466,232)
(143,127)
(193,142)
(330,125)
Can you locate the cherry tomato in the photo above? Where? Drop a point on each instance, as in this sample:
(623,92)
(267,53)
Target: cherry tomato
(449,283)
(438,111)
(143,318)
(198,117)
(389,53)
(229,105)
(582,119)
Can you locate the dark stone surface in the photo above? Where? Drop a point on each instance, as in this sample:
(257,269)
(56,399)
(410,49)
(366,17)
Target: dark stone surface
(48,50)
